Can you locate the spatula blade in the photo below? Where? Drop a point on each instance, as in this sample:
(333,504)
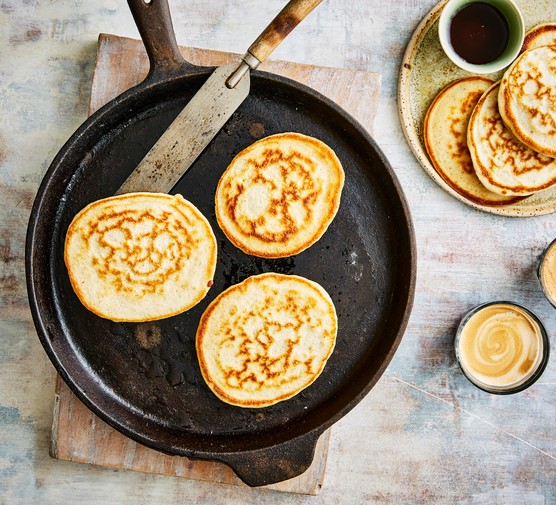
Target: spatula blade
(188,135)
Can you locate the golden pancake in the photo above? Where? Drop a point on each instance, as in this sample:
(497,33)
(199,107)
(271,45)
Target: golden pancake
(445,136)
(527,99)
(264,340)
(279,195)
(502,163)
(140,256)
(541,35)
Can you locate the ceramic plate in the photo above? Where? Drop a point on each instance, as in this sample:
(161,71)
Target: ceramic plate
(426,70)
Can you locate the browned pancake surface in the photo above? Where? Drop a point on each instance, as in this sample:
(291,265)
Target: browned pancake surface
(527,99)
(279,195)
(265,339)
(140,256)
(541,35)
(503,163)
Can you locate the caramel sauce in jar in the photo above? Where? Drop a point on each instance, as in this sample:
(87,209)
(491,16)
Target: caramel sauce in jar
(547,273)
(501,347)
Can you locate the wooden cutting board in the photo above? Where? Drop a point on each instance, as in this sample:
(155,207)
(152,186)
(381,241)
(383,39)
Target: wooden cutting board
(80,436)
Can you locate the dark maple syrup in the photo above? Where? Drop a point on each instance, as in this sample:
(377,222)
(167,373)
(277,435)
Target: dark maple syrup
(479,33)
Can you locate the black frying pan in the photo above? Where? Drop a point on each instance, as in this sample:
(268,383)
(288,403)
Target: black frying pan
(156,395)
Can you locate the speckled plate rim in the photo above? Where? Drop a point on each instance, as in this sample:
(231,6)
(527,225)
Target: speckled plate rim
(416,143)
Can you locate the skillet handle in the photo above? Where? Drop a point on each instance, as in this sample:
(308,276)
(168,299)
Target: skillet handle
(155,27)
(275,464)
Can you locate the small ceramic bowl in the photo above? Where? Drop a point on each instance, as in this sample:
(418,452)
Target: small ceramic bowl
(498,354)
(546,272)
(516,29)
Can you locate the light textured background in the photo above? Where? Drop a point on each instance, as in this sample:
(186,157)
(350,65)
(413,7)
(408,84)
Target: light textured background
(424,434)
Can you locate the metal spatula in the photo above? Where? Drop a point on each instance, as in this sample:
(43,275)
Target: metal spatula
(210,108)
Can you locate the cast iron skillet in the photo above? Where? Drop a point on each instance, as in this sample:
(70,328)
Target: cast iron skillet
(153,392)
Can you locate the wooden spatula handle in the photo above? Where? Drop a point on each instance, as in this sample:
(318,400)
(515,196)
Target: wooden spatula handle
(288,18)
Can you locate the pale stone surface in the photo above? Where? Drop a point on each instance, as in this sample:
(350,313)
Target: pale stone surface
(424,434)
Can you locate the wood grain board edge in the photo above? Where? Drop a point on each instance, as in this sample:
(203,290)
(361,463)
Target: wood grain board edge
(356,91)
(80,436)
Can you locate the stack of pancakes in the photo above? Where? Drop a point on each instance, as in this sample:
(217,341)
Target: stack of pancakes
(146,256)
(495,142)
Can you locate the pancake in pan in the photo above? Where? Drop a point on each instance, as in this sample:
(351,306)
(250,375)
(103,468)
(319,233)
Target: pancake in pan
(502,163)
(541,35)
(279,195)
(266,339)
(445,136)
(527,99)
(140,256)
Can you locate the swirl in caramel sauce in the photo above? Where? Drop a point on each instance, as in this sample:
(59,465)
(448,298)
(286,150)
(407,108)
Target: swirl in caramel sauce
(500,346)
